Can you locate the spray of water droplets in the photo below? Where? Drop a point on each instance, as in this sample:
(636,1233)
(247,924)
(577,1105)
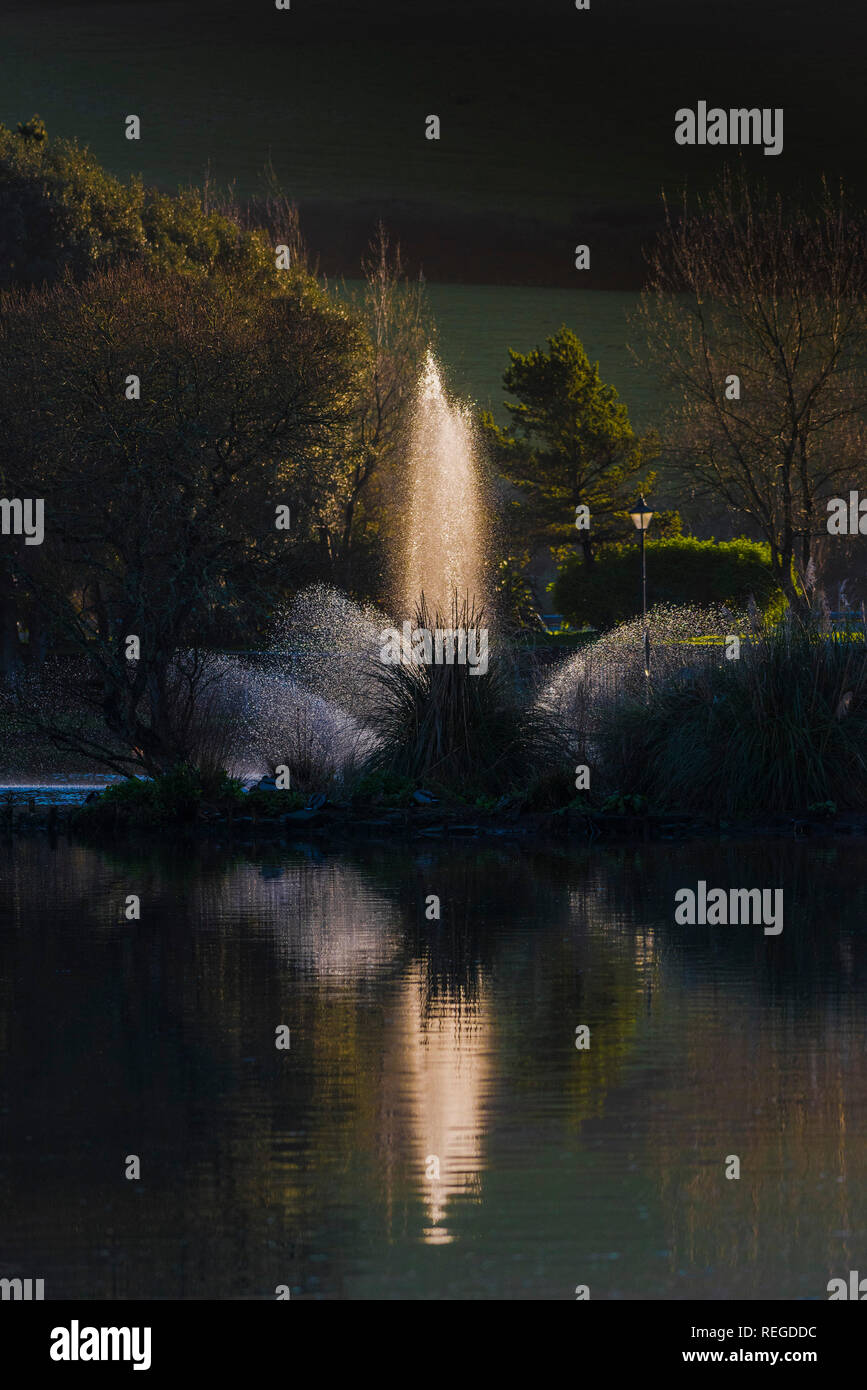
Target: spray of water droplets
(612,667)
(446,523)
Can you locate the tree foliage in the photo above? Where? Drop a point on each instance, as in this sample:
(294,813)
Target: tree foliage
(393,312)
(570,443)
(160,511)
(61,211)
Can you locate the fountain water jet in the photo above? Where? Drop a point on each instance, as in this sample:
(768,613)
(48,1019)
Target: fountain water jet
(445,546)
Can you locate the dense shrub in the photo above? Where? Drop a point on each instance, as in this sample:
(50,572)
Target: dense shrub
(381,788)
(779,730)
(162,516)
(679,570)
(171,799)
(61,211)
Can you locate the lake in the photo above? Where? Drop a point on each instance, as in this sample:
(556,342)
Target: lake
(431,1131)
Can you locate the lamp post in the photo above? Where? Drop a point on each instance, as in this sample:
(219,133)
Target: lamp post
(641,520)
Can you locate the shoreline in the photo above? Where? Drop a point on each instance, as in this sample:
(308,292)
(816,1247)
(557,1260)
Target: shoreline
(335,823)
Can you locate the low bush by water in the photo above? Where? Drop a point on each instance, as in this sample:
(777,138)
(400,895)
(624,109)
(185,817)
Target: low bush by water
(781,729)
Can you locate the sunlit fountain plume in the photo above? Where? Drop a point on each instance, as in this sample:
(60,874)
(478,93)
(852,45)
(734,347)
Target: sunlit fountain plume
(445,524)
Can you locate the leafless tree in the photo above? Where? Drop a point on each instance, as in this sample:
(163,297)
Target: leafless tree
(393,309)
(743,284)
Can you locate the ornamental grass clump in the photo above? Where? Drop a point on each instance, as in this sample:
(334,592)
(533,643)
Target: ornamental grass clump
(454,724)
(779,729)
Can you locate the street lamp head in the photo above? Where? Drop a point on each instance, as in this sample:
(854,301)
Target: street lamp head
(641,516)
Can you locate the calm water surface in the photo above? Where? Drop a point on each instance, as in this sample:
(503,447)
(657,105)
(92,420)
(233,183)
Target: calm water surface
(413,1039)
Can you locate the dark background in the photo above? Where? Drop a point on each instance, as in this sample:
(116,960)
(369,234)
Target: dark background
(557,124)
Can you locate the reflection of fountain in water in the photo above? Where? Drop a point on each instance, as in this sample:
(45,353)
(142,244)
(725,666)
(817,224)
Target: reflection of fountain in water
(324,920)
(446,532)
(435,1083)
(432,1071)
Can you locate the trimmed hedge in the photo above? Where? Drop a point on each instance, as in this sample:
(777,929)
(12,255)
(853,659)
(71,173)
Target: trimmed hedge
(679,570)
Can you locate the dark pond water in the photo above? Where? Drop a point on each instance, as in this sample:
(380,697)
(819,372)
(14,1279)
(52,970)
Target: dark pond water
(414,1040)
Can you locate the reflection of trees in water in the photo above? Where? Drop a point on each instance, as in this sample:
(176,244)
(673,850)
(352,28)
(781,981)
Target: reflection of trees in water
(457,951)
(393,1027)
(789,1096)
(597,968)
(162,1044)
(772,1029)
(825,897)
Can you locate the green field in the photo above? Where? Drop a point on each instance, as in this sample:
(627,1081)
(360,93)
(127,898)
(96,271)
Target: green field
(477,324)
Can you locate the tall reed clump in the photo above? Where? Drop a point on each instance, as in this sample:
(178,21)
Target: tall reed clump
(444,724)
(778,730)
